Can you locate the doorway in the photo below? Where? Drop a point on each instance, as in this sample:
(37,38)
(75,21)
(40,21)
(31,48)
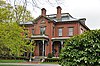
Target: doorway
(40,48)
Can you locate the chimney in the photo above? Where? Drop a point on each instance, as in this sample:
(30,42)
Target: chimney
(58,12)
(43,12)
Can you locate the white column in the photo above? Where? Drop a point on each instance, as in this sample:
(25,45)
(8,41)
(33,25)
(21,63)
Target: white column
(61,44)
(52,46)
(43,54)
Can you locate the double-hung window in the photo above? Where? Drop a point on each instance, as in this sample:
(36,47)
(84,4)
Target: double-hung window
(70,31)
(60,32)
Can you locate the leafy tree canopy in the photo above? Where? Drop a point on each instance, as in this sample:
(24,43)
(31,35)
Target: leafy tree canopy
(10,14)
(82,50)
(11,41)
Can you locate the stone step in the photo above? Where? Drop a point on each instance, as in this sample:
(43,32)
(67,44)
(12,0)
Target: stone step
(38,59)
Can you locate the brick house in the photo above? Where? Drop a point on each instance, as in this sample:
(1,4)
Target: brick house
(50,31)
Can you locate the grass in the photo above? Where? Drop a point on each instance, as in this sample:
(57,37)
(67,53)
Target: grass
(11,61)
(10,65)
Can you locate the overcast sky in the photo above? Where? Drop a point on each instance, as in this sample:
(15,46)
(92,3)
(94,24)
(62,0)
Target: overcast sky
(89,9)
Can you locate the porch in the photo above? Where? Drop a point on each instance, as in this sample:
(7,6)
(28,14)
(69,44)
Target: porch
(41,44)
(57,45)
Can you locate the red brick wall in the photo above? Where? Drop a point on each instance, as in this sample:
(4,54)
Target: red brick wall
(65,27)
(49,30)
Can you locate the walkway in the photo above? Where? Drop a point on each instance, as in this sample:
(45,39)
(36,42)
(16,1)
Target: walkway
(28,64)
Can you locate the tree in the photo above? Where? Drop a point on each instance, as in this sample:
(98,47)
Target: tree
(21,14)
(36,3)
(11,41)
(10,14)
(29,48)
(5,12)
(82,50)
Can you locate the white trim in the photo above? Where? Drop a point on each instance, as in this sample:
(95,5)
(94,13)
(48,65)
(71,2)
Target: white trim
(60,38)
(38,36)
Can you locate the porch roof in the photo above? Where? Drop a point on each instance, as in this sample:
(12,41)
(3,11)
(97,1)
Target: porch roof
(39,37)
(60,38)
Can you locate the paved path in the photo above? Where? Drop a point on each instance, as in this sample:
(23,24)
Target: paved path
(29,64)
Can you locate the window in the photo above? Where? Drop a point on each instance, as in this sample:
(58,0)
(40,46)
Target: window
(70,31)
(32,31)
(53,31)
(42,30)
(60,32)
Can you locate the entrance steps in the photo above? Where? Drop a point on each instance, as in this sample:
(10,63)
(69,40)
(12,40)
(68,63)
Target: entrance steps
(38,59)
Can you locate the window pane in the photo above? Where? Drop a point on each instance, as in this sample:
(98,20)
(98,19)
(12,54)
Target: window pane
(32,31)
(70,31)
(53,32)
(60,31)
(42,30)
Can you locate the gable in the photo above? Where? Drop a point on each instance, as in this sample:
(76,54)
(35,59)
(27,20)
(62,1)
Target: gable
(43,19)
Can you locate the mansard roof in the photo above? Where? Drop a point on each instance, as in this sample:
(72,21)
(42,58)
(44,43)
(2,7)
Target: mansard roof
(65,17)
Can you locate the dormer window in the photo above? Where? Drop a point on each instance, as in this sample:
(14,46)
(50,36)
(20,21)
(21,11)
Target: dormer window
(65,18)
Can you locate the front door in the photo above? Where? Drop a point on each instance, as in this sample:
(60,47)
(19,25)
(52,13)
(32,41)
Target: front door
(40,49)
(56,48)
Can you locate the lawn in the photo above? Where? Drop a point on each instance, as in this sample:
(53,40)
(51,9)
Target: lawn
(11,61)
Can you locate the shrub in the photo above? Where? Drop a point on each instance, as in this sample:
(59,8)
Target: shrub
(49,55)
(82,50)
(52,60)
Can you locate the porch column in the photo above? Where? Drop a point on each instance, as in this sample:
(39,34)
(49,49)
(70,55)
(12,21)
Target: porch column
(61,44)
(43,52)
(52,47)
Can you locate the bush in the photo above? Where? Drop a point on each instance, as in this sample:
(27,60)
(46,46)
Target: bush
(82,50)
(52,60)
(49,55)
(10,57)
(11,61)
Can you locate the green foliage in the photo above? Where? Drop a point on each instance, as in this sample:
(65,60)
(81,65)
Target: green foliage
(5,12)
(52,60)
(82,50)
(49,55)
(29,47)
(11,41)
(10,14)
(21,14)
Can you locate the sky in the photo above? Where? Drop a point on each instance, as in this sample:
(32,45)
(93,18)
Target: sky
(89,9)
